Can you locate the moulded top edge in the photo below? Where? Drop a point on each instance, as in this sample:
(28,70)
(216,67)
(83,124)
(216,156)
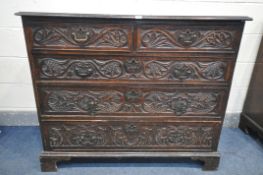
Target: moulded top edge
(100,16)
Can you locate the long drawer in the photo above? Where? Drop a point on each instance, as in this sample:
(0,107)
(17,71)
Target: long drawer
(211,70)
(131,100)
(131,135)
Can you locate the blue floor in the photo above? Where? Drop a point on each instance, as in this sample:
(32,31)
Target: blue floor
(20,148)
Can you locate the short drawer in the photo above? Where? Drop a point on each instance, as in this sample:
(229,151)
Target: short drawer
(132,135)
(130,100)
(87,36)
(147,69)
(189,37)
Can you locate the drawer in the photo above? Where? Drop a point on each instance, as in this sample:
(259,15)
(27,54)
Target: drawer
(75,35)
(146,69)
(130,100)
(133,135)
(189,37)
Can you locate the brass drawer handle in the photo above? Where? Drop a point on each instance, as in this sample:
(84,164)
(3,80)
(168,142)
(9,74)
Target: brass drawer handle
(81,36)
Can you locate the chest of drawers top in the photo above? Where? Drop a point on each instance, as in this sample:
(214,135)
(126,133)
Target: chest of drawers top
(134,35)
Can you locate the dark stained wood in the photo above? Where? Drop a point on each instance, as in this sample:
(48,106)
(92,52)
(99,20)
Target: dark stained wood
(133,36)
(131,69)
(122,100)
(252,116)
(251,124)
(139,135)
(49,159)
(118,86)
(75,15)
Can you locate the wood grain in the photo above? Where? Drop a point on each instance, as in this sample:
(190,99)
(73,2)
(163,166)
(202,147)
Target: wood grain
(149,87)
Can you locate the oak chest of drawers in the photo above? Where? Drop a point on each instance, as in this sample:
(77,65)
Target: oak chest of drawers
(131,86)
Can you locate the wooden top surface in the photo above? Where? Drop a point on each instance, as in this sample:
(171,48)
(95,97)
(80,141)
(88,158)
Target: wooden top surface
(99,16)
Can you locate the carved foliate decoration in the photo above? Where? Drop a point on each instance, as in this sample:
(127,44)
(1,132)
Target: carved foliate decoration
(160,38)
(85,135)
(80,69)
(89,102)
(183,135)
(183,71)
(215,70)
(155,70)
(132,101)
(81,36)
(131,69)
(129,135)
(182,103)
(112,69)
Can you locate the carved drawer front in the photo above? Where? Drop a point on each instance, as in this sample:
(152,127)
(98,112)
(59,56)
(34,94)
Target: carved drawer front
(85,36)
(133,100)
(134,69)
(188,38)
(131,135)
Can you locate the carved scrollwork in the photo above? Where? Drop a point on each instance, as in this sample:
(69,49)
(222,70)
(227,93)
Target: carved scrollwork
(183,71)
(53,68)
(89,102)
(214,71)
(129,135)
(220,39)
(114,37)
(43,35)
(181,103)
(112,69)
(155,39)
(59,102)
(190,71)
(135,101)
(84,69)
(203,101)
(180,135)
(81,36)
(159,38)
(131,69)
(155,70)
(81,135)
